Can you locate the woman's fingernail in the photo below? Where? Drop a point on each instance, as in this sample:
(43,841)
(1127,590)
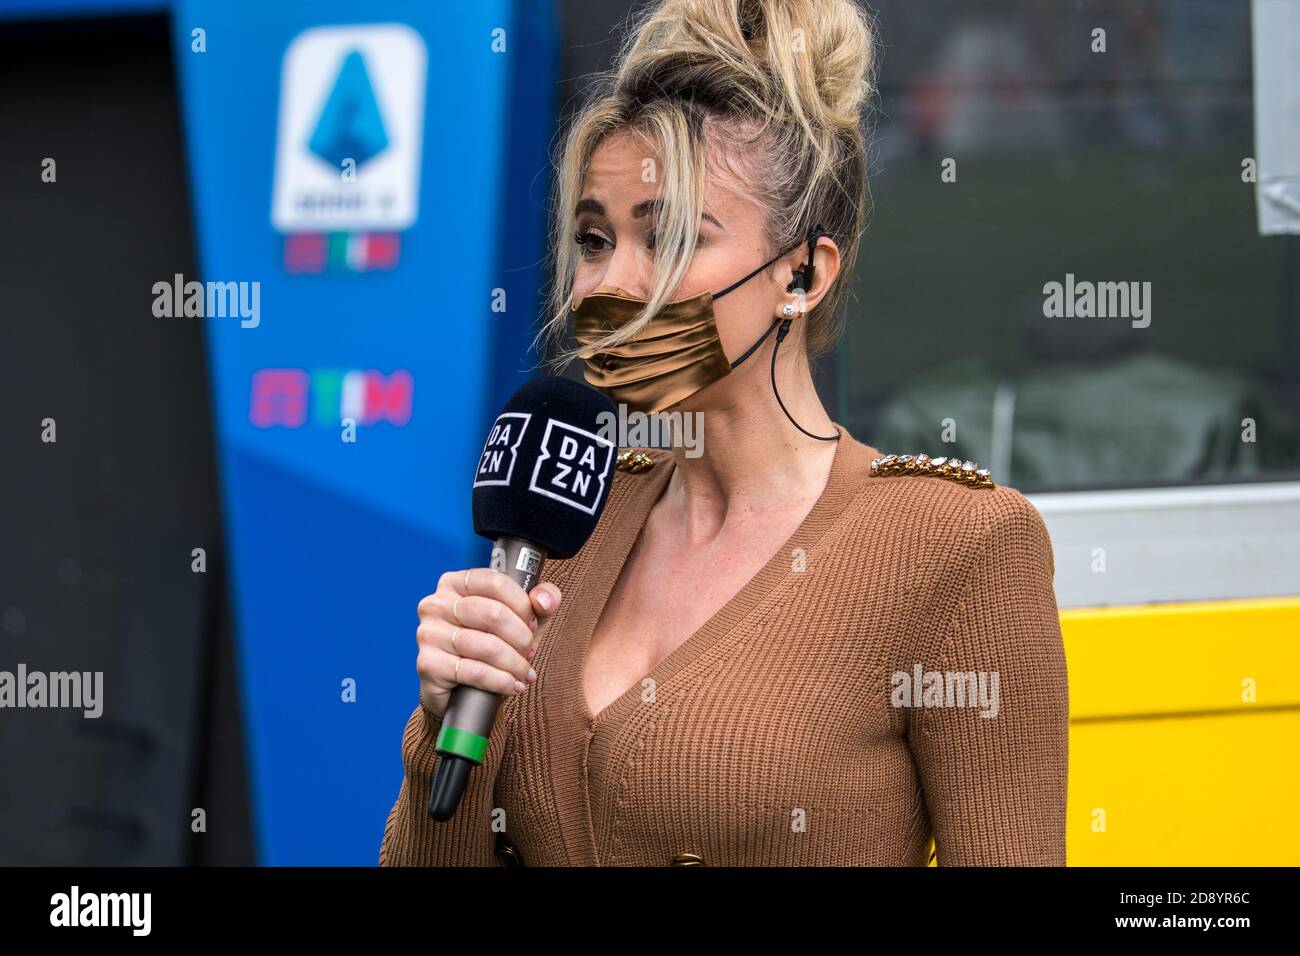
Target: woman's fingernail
(520,687)
(545,600)
(532,675)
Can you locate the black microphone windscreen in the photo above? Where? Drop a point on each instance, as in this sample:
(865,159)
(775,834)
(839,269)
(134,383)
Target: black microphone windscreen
(546,467)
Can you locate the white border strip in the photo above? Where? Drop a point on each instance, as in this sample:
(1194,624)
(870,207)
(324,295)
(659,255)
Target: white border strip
(1174,544)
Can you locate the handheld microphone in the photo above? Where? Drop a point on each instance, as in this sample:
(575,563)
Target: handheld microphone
(541,484)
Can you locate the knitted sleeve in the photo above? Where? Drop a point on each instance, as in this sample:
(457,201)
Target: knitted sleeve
(991,737)
(411,836)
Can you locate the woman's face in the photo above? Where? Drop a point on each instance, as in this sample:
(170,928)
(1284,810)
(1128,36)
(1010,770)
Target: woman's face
(616,214)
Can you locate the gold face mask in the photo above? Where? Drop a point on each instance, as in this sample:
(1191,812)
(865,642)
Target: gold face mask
(676,354)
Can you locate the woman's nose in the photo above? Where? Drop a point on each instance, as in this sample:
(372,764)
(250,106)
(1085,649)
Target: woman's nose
(625,276)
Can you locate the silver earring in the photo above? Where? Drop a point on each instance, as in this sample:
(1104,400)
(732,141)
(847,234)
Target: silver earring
(787,311)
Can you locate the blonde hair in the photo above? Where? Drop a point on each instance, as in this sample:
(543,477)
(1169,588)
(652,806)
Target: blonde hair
(781,84)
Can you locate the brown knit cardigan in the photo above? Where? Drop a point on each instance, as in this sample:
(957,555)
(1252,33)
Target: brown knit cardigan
(777,734)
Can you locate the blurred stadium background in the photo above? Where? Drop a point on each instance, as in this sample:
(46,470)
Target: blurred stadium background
(204,534)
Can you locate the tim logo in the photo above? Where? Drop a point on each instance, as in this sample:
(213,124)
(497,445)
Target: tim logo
(288,397)
(573,466)
(499,453)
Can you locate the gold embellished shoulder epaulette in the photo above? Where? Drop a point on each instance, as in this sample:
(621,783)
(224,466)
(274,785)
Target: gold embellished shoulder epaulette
(954,469)
(633,461)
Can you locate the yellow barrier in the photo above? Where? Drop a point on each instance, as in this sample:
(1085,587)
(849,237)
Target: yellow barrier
(1184,734)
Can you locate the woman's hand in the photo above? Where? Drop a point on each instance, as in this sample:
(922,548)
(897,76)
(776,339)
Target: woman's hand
(478,629)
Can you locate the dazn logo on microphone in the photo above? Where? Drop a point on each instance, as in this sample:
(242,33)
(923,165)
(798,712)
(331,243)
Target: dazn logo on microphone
(497,462)
(573,466)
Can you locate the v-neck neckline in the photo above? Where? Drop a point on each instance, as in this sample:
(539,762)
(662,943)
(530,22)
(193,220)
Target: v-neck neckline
(847,467)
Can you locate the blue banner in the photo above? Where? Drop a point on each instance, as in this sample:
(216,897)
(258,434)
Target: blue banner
(369,251)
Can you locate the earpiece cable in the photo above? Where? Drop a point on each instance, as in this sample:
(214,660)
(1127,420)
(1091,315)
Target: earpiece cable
(780,337)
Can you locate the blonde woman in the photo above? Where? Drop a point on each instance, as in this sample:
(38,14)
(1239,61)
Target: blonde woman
(791,649)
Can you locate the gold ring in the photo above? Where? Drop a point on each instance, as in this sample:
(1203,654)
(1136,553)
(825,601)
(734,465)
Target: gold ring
(455,675)
(453,639)
(453,609)
(467,579)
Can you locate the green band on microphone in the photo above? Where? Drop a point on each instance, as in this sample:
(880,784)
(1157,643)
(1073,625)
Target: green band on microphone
(452,740)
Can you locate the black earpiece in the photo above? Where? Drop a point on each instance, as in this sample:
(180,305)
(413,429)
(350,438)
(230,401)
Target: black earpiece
(802,279)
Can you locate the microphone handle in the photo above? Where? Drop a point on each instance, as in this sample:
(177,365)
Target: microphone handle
(471,711)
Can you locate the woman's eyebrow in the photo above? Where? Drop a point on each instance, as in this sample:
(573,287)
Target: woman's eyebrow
(649,206)
(639,211)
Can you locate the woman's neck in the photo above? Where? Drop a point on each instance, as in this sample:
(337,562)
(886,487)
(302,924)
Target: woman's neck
(755,463)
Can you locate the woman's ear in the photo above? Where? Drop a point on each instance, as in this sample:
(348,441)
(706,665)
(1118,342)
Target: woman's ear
(826,266)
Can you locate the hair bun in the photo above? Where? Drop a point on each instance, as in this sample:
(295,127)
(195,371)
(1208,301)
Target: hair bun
(804,61)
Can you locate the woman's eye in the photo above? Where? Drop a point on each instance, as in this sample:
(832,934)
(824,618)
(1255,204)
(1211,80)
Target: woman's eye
(593,244)
(590,242)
